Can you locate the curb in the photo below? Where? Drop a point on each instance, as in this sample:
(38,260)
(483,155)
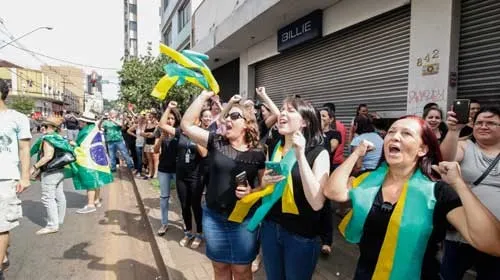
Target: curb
(162,257)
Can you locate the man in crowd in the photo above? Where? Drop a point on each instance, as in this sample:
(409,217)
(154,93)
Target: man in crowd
(114,139)
(71,124)
(15,138)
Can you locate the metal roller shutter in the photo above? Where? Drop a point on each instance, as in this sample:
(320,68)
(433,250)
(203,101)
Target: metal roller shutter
(479,54)
(364,63)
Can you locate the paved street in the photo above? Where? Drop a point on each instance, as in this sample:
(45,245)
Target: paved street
(112,243)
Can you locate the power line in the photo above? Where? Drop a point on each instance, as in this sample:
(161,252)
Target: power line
(64,60)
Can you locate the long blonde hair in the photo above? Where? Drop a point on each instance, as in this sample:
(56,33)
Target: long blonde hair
(252,130)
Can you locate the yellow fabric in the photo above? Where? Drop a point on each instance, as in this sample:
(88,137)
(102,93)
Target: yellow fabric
(163,86)
(288,204)
(386,257)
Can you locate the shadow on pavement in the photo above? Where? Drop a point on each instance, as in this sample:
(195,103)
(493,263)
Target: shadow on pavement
(123,269)
(153,203)
(129,224)
(35,211)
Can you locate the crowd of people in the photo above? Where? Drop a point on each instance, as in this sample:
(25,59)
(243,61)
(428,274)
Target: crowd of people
(260,180)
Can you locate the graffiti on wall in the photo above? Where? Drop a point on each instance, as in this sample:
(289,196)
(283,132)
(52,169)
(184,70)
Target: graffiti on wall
(418,98)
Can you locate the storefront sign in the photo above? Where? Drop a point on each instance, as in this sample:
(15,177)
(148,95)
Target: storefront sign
(301,31)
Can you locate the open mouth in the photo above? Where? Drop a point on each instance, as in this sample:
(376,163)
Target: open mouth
(394,149)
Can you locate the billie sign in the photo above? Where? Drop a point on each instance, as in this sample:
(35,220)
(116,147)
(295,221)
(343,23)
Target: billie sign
(301,31)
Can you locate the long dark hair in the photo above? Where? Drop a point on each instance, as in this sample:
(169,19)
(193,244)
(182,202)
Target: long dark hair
(433,155)
(177,116)
(312,132)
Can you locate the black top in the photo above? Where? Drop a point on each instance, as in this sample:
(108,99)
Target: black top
(329,136)
(225,163)
(188,158)
(71,122)
(168,155)
(149,141)
(307,223)
(263,131)
(466,131)
(376,226)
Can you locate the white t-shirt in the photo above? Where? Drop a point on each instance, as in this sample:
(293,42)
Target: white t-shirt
(15,126)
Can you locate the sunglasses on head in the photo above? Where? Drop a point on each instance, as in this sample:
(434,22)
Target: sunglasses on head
(235,115)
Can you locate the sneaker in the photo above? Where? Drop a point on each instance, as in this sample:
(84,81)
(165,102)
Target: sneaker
(98,203)
(196,241)
(47,231)
(186,239)
(86,209)
(326,250)
(163,229)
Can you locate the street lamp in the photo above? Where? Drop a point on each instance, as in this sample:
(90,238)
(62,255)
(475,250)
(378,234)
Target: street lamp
(15,39)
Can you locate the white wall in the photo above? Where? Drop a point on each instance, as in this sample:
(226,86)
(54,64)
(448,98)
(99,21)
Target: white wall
(434,33)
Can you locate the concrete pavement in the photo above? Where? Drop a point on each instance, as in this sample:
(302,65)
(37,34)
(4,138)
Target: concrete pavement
(112,243)
(186,263)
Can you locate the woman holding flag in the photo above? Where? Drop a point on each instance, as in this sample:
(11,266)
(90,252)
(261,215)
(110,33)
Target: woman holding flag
(92,162)
(293,195)
(401,212)
(49,147)
(229,245)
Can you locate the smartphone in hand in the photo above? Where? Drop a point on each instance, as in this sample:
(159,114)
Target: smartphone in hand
(275,167)
(241,179)
(461,110)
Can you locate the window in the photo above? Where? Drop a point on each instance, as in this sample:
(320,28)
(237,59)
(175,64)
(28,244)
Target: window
(133,8)
(165,4)
(183,15)
(133,44)
(167,36)
(133,25)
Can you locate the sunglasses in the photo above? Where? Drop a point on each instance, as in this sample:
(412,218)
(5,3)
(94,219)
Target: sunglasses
(235,115)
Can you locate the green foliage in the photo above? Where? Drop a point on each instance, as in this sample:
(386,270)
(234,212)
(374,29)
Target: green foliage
(138,77)
(22,104)
(111,104)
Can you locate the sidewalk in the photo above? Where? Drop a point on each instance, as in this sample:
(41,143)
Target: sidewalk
(186,263)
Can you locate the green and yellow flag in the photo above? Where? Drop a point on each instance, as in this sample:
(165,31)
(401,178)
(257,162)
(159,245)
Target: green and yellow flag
(91,160)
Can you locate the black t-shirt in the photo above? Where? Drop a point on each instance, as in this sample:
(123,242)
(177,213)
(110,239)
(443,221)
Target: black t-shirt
(150,141)
(188,157)
(329,136)
(376,226)
(307,223)
(168,155)
(71,122)
(466,131)
(225,163)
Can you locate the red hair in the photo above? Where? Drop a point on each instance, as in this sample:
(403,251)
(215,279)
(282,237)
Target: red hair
(433,155)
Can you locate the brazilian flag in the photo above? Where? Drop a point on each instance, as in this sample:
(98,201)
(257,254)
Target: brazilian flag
(58,142)
(91,160)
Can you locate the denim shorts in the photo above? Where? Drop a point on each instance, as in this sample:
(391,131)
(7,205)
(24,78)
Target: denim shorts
(228,242)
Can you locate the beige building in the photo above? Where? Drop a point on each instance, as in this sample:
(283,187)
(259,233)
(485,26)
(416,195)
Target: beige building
(71,79)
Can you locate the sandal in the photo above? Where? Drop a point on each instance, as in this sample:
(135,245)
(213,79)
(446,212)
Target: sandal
(186,239)
(196,241)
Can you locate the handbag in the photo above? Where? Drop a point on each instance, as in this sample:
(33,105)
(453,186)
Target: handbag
(487,171)
(59,161)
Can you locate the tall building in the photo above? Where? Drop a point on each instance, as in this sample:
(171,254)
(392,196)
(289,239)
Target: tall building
(130,27)
(394,55)
(176,22)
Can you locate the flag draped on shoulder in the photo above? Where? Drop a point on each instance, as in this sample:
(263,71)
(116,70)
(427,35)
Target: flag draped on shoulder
(91,160)
(58,142)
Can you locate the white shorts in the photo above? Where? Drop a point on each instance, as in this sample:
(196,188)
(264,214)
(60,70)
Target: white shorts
(10,206)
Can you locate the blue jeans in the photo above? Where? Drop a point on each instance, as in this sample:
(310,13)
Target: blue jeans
(138,164)
(166,180)
(459,257)
(113,147)
(287,255)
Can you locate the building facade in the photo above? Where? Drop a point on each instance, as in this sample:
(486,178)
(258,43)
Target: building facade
(72,82)
(48,95)
(175,24)
(130,27)
(394,55)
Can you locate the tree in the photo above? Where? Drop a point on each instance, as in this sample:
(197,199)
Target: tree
(138,77)
(22,104)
